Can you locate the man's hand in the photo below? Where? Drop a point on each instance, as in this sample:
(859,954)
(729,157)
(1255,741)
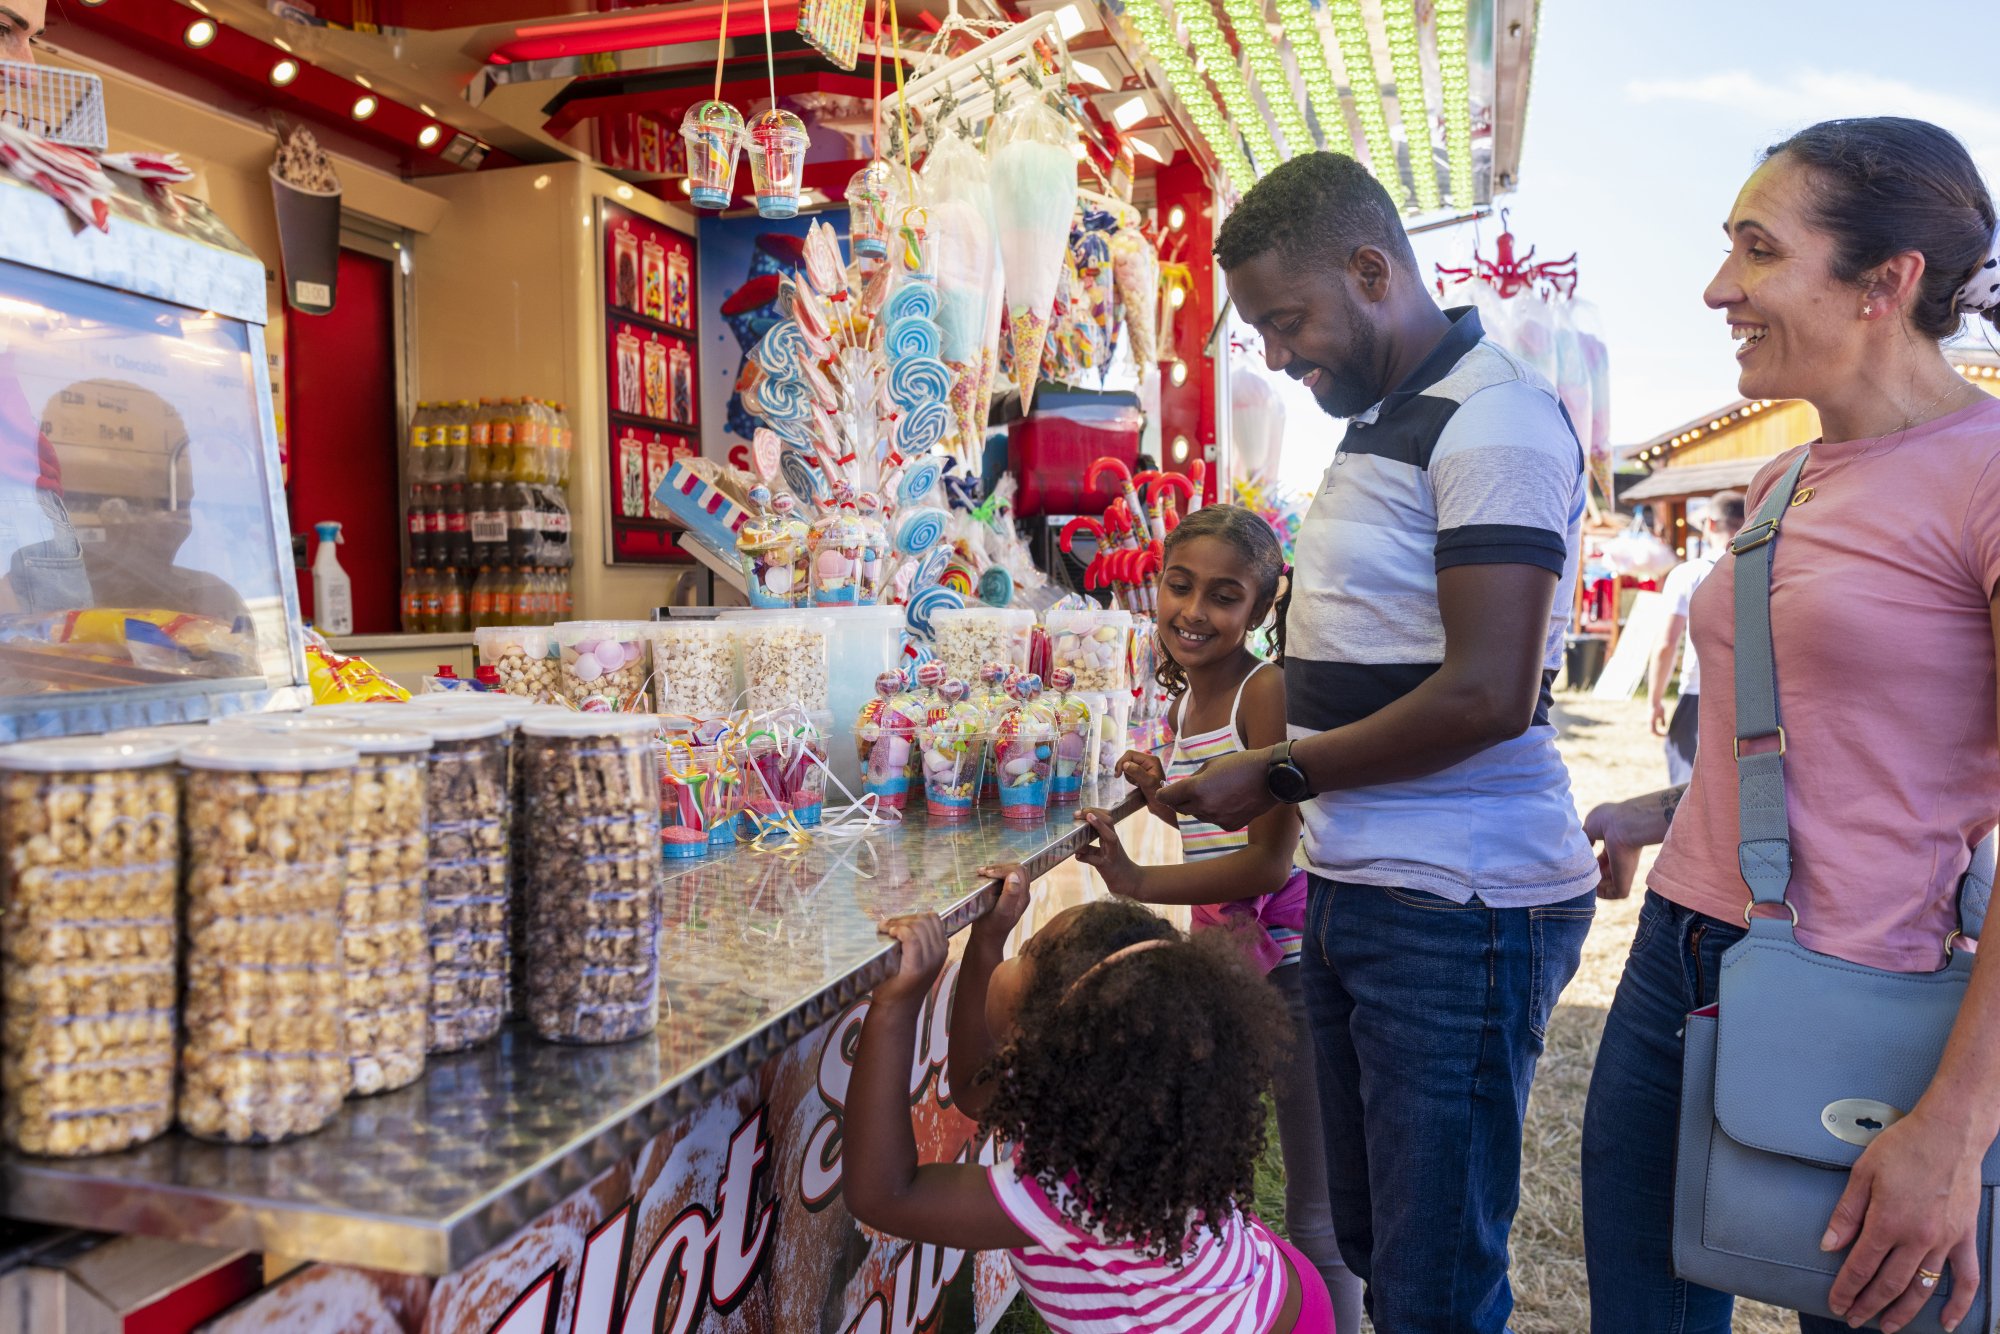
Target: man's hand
(1626,828)
(1121,876)
(924,951)
(1228,792)
(1659,717)
(998,922)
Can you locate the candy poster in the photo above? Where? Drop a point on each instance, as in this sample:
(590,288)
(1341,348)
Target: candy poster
(651,373)
(732,1222)
(741,263)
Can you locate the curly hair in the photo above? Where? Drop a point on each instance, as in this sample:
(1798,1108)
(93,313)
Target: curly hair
(1135,1094)
(1263,558)
(1316,210)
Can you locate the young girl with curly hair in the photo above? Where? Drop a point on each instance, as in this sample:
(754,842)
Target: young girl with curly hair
(1222,576)
(1127,1126)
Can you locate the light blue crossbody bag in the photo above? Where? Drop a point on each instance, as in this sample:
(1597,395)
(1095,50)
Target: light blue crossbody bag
(1804,1058)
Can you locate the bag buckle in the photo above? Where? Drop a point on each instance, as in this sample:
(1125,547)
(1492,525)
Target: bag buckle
(1753,905)
(1780,734)
(1756,535)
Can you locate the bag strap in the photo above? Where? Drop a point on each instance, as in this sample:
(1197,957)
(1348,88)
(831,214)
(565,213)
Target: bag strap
(1764,853)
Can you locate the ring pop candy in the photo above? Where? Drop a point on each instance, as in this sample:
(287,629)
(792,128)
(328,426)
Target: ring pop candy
(714,133)
(1074,731)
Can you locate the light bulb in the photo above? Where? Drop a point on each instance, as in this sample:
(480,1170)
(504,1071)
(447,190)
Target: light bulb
(429,135)
(284,72)
(1179,374)
(364,107)
(199,33)
(1176,218)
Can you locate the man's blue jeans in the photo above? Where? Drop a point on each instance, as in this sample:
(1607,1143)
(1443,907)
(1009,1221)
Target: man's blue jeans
(1629,1130)
(1429,1018)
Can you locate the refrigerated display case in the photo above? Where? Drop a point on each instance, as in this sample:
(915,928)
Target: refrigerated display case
(145,567)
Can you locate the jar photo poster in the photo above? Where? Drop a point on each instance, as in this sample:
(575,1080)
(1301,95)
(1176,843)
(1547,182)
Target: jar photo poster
(650,355)
(740,263)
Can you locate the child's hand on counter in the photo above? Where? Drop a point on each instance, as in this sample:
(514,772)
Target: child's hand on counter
(924,950)
(998,921)
(1143,770)
(1107,854)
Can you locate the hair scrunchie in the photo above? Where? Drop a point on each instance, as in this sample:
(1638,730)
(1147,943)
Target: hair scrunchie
(1982,290)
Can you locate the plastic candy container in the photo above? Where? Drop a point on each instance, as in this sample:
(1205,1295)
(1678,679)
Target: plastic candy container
(1075,730)
(972,638)
(603,666)
(714,134)
(762,761)
(694,667)
(954,757)
(1092,644)
(884,735)
(776,142)
(785,664)
(875,549)
(687,773)
(773,548)
(1023,751)
(836,546)
(89,858)
(804,771)
(872,200)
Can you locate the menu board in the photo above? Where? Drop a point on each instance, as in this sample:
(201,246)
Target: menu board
(653,406)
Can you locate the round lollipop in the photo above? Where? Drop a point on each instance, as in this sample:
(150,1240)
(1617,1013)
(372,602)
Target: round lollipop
(919,530)
(931,566)
(801,476)
(918,299)
(918,479)
(996,587)
(927,602)
(911,336)
(714,133)
(919,380)
(765,449)
(922,427)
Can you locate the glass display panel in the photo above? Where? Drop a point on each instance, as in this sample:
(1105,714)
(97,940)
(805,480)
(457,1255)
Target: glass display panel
(136,539)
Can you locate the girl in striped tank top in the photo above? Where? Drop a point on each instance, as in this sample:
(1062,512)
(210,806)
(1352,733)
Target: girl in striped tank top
(1119,1068)
(1223,575)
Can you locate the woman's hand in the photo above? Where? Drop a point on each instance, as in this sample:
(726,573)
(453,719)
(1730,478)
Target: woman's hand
(1121,875)
(924,951)
(1911,1204)
(998,922)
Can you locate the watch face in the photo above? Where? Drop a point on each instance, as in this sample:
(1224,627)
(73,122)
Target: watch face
(1287,782)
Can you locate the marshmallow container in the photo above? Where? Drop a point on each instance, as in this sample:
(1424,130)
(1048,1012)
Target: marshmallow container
(1094,645)
(603,665)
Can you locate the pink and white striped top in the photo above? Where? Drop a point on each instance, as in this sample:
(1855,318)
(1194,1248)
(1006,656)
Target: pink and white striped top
(1233,1282)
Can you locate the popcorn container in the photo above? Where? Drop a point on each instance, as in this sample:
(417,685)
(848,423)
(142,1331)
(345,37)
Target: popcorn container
(526,658)
(714,133)
(602,666)
(954,757)
(971,638)
(593,785)
(871,201)
(694,667)
(776,141)
(89,861)
(1023,758)
(686,775)
(263,1054)
(1093,644)
(784,658)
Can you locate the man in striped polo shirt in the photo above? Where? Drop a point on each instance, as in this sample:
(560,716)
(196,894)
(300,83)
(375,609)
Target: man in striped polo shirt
(1451,884)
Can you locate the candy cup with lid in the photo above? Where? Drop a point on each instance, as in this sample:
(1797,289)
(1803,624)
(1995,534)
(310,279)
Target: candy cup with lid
(776,141)
(887,741)
(954,756)
(714,133)
(1074,732)
(1022,757)
(836,548)
(873,202)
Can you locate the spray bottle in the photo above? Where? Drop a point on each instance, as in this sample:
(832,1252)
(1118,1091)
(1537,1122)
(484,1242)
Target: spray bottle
(333,593)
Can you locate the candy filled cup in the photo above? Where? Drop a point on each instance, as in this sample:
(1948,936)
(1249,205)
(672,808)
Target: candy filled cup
(953,759)
(872,205)
(687,775)
(1023,760)
(776,141)
(714,132)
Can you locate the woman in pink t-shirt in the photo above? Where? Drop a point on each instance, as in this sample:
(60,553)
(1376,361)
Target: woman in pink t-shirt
(1853,250)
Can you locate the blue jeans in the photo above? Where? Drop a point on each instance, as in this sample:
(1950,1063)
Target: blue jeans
(1428,1017)
(1629,1128)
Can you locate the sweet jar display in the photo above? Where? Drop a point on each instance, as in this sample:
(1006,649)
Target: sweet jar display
(1075,731)
(785,664)
(468,898)
(772,546)
(714,134)
(603,665)
(776,143)
(632,497)
(625,270)
(875,549)
(954,756)
(1093,644)
(885,734)
(593,900)
(836,542)
(631,395)
(694,667)
(653,279)
(525,657)
(1024,753)
(654,380)
(680,374)
(680,307)
(969,639)
(89,861)
(263,1054)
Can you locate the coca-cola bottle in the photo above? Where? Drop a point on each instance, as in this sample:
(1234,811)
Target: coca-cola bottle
(419,526)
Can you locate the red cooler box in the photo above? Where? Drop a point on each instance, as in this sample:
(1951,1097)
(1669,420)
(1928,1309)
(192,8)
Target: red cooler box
(1050,456)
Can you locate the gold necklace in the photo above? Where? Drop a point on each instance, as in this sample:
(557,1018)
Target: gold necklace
(1805,493)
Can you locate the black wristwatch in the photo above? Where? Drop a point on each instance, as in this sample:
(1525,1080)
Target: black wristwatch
(1285,780)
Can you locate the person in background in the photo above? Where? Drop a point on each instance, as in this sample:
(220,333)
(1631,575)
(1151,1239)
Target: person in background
(1718,527)
(1123,1069)
(1854,249)
(21,22)
(1224,576)
(1450,887)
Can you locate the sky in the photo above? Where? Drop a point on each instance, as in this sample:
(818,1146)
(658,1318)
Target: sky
(1644,119)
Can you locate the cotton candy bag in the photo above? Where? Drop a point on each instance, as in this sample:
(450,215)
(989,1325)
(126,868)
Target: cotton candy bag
(1032,176)
(967,264)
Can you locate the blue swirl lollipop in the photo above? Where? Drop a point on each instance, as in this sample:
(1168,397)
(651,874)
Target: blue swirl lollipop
(926,603)
(922,427)
(912,298)
(918,478)
(931,566)
(801,476)
(919,380)
(777,352)
(920,529)
(911,336)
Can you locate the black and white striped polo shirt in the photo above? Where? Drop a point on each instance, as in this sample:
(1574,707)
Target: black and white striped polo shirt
(1471,460)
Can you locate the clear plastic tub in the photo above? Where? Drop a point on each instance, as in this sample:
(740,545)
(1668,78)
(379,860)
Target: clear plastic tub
(262,1016)
(385,948)
(89,862)
(603,665)
(1093,644)
(954,758)
(526,658)
(785,662)
(469,819)
(694,667)
(593,929)
(1023,759)
(970,638)
(687,779)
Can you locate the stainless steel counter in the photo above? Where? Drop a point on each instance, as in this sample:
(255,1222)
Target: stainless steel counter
(759,949)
